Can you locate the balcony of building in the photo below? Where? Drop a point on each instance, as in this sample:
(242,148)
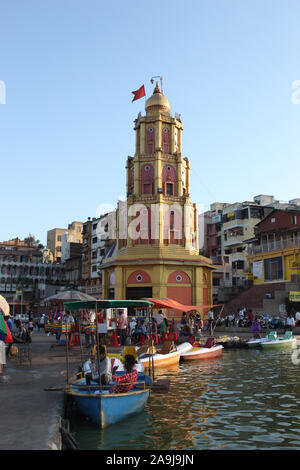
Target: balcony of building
(268,245)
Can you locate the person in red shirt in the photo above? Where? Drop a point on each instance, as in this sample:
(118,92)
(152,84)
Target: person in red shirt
(127,380)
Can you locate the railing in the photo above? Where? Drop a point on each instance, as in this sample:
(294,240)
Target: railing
(273,246)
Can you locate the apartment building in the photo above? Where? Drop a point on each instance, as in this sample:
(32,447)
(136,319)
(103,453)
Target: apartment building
(98,235)
(55,236)
(25,277)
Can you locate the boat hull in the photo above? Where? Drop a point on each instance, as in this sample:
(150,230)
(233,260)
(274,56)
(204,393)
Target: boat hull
(196,354)
(279,344)
(162,360)
(107,409)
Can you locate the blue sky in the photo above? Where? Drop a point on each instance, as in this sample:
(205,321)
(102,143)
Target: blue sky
(70,66)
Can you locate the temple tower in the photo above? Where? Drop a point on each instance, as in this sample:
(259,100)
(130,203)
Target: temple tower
(157,252)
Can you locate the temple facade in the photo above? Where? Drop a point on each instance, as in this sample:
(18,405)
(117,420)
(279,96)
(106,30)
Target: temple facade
(156,251)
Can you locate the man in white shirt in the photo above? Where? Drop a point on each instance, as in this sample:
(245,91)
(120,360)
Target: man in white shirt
(297,317)
(289,322)
(90,368)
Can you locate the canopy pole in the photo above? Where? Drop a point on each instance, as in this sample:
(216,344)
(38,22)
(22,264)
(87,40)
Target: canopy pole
(98,350)
(67,349)
(81,350)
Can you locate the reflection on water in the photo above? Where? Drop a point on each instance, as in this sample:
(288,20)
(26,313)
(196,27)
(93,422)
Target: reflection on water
(248,399)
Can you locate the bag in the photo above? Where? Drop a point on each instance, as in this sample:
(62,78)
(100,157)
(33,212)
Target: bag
(8,337)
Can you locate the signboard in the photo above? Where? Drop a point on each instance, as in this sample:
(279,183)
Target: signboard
(294,296)
(112,317)
(258,272)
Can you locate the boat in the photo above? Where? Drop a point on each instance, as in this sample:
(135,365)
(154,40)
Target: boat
(287,341)
(256,342)
(95,401)
(168,355)
(104,408)
(208,351)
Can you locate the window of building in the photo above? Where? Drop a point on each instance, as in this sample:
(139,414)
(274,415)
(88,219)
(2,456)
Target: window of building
(273,219)
(59,238)
(294,219)
(94,268)
(95,239)
(95,226)
(169,189)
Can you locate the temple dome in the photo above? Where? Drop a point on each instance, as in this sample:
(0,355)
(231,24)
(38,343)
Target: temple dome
(157,102)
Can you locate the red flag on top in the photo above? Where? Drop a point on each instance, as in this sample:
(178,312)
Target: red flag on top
(139,93)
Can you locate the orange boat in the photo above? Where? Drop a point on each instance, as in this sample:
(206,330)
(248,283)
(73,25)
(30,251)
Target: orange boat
(169,355)
(196,354)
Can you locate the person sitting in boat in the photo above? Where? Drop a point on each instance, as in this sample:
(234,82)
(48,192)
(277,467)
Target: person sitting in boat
(90,368)
(125,382)
(105,366)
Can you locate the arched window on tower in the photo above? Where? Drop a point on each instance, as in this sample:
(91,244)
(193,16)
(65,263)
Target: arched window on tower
(169,181)
(150,140)
(147,179)
(165,140)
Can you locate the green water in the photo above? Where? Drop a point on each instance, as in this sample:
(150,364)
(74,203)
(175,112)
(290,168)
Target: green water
(248,399)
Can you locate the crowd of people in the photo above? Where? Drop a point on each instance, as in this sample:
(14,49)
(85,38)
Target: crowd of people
(247,318)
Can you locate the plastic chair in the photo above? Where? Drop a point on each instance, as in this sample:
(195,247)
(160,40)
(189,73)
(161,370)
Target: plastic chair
(287,335)
(165,337)
(115,341)
(192,339)
(129,350)
(156,338)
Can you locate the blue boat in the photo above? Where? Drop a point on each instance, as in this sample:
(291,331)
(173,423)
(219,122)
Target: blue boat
(104,408)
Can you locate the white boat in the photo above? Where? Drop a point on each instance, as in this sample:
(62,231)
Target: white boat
(199,353)
(256,342)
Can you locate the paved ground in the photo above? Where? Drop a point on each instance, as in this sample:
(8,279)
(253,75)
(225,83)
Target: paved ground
(30,416)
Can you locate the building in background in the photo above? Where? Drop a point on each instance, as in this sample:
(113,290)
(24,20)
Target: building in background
(55,236)
(274,251)
(227,231)
(26,277)
(98,236)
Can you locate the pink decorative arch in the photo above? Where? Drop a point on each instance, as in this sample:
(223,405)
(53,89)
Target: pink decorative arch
(165,139)
(150,139)
(147,179)
(179,277)
(169,176)
(139,277)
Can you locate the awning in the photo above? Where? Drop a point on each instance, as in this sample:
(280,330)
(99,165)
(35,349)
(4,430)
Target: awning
(173,304)
(108,304)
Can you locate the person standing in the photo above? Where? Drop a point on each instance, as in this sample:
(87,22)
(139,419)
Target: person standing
(122,326)
(210,317)
(289,322)
(297,318)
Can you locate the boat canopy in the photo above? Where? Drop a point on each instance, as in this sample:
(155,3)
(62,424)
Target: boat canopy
(108,304)
(169,303)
